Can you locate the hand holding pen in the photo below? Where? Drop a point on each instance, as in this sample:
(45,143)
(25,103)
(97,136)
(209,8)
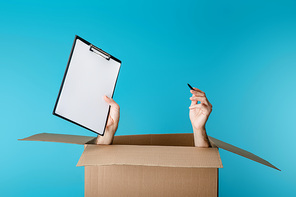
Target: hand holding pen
(199,114)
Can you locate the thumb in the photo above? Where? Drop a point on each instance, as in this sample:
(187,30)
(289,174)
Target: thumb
(111,102)
(114,111)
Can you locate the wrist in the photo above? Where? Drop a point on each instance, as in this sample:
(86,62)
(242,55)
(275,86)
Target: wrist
(107,139)
(199,129)
(201,137)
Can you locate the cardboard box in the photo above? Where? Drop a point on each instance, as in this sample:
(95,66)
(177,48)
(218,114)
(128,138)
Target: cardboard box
(150,165)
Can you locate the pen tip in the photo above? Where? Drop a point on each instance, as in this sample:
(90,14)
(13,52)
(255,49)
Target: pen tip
(189,86)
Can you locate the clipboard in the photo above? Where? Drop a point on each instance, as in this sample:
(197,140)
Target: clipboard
(90,74)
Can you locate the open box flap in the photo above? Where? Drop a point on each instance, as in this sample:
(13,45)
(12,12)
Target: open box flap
(164,156)
(51,137)
(241,152)
(182,139)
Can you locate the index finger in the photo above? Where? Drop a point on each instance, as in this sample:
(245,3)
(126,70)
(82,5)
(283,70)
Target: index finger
(196,89)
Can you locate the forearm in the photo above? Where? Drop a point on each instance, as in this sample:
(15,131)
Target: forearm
(201,138)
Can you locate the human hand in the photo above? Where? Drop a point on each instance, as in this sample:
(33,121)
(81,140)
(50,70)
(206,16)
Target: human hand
(199,114)
(112,123)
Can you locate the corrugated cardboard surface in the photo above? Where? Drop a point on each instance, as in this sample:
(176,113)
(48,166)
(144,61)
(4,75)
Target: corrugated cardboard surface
(142,181)
(241,152)
(51,137)
(182,139)
(166,156)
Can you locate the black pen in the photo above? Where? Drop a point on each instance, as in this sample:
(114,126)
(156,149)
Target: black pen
(190,86)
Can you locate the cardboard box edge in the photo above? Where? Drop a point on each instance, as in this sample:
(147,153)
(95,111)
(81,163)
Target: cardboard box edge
(216,142)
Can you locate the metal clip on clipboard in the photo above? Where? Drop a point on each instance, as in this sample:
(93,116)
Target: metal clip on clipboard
(99,52)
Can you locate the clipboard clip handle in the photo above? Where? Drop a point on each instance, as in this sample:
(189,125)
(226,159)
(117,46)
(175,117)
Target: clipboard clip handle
(100,52)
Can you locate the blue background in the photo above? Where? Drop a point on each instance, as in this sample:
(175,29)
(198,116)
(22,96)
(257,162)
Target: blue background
(241,53)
